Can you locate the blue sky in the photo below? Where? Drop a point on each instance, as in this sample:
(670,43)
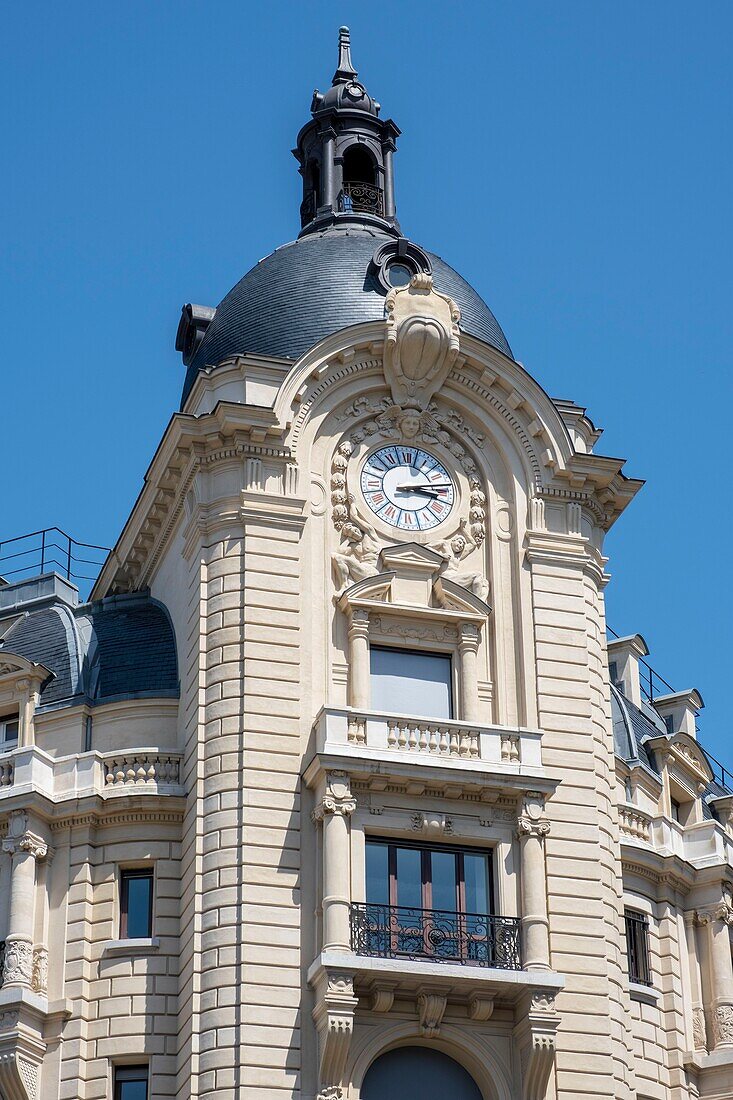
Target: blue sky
(572,159)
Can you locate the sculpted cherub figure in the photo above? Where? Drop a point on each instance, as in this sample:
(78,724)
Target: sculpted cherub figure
(357,558)
(453,550)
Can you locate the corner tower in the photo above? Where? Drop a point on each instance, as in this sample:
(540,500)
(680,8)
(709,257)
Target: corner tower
(345,154)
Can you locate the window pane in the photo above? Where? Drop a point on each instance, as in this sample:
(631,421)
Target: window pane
(377,874)
(9,731)
(475,869)
(132,1090)
(409,877)
(444,880)
(404,682)
(137,894)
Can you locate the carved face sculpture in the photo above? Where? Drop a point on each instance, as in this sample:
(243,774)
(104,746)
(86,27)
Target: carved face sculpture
(410,425)
(458,545)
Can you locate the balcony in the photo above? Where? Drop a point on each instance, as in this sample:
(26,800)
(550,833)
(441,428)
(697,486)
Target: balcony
(143,771)
(371,741)
(433,935)
(361,198)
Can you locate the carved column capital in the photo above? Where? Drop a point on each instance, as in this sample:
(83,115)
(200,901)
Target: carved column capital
(468,636)
(532,820)
(359,622)
(337,798)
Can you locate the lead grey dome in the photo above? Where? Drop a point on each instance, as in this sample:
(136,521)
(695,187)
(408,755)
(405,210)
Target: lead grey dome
(314,286)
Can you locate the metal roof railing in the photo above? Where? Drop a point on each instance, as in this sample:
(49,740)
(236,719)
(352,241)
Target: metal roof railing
(50,550)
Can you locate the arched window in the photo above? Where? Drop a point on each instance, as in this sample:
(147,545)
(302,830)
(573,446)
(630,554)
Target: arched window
(360,190)
(418,1073)
(359,165)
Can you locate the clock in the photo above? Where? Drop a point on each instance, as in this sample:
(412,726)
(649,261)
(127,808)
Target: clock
(407,488)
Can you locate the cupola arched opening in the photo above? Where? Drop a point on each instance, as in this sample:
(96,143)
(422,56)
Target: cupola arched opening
(359,166)
(314,180)
(418,1073)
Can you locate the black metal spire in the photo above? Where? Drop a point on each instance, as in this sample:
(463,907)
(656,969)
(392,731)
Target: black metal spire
(345,71)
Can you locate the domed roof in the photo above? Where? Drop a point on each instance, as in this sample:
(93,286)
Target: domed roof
(316,285)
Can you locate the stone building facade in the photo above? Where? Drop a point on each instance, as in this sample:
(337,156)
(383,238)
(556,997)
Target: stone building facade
(334,787)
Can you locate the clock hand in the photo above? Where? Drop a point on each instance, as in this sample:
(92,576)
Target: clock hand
(427,490)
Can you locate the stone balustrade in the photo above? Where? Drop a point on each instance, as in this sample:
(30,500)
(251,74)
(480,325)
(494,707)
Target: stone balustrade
(359,732)
(634,824)
(133,769)
(109,775)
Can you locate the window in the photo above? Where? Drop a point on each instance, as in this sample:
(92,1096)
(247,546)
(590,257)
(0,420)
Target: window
(131,1083)
(448,879)
(406,682)
(675,809)
(9,727)
(637,946)
(136,906)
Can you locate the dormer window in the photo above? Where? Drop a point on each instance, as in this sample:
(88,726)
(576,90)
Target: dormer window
(9,727)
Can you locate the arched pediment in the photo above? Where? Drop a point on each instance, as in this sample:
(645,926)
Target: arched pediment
(13,666)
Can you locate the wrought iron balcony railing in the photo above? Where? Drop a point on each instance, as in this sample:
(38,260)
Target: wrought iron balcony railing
(362,197)
(434,935)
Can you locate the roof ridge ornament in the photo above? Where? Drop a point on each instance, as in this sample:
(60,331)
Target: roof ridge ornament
(345,71)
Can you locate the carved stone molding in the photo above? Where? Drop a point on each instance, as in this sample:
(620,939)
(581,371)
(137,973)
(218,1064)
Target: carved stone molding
(431,1007)
(699,1031)
(333,1015)
(431,824)
(723,1025)
(422,342)
(18,962)
(39,973)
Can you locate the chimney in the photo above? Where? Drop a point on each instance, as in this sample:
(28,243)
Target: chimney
(624,655)
(680,711)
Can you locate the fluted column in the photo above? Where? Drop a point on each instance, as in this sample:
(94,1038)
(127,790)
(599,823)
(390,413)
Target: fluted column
(334,810)
(359,659)
(25,847)
(468,652)
(717,971)
(533,828)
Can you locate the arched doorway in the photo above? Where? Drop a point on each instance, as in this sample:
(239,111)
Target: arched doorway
(418,1073)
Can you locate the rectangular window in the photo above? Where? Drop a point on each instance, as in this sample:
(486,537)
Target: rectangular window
(131,1083)
(637,946)
(432,902)
(136,905)
(406,682)
(9,726)
(413,876)
(675,809)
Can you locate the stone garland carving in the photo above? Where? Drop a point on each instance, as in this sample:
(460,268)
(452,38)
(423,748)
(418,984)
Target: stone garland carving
(409,632)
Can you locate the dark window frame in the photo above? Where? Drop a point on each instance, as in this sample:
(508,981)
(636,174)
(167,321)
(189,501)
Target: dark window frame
(126,875)
(636,926)
(130,1075)
(425,848)
(9,719)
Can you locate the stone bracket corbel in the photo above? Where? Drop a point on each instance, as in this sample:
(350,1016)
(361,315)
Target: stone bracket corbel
(21,1047)
(333,1015)
(535,1035)
(431,1005)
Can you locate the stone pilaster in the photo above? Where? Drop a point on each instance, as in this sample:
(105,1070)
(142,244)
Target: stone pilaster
(468,644)
(717,972)
(334,810)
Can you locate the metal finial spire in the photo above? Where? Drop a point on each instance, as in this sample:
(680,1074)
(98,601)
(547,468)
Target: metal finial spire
(345,71)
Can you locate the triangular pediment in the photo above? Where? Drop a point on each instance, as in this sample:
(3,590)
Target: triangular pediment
(409,555)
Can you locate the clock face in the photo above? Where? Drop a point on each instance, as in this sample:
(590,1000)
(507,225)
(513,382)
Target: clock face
(407,488)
